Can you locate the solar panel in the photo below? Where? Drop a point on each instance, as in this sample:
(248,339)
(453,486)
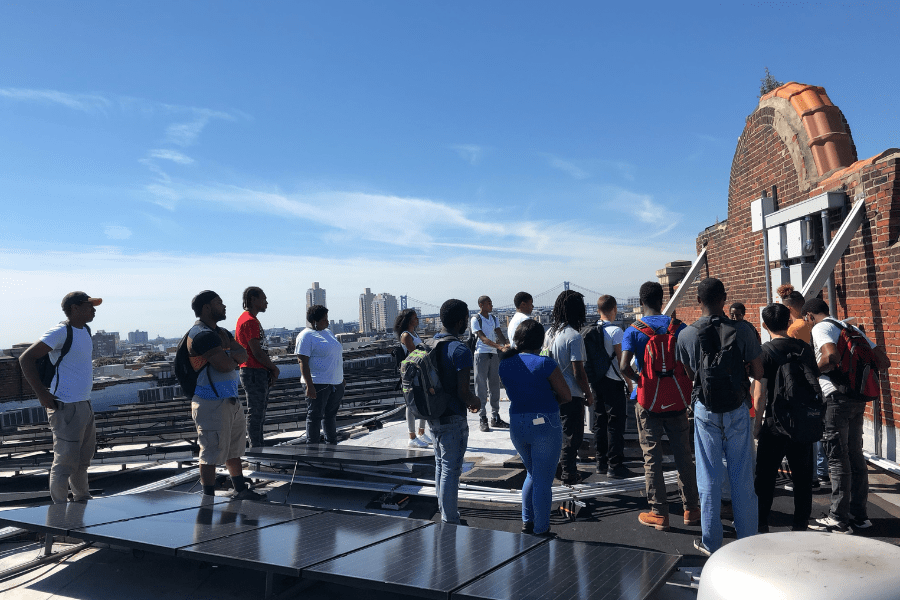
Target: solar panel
(165,533)
(60,519)
(429,562)
(573,570)
(350,455)
(290,547)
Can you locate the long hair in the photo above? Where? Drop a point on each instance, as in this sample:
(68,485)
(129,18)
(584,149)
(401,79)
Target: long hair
(401,323)
(249,294)
(569,310)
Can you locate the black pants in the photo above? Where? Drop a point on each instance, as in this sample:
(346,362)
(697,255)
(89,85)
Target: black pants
(769,452)
(609,421)
(571,415)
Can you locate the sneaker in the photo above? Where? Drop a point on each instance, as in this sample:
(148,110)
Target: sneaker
(417,443)
(692,516)
(545,534)
(528,527)
(654,520)
(499,423)
(860,523)
(247,494)
(698,545)
(426,438)
(619,472)
(789,487)
(815,485)
(573,479)
(484,425)
(831,525)
(602,466)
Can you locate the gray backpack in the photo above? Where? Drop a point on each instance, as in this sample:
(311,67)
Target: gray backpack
(421,382)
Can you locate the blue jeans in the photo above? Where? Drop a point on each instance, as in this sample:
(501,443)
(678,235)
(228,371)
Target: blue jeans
(323,411)
(450,441)
(727,435)
(539,447)
(821,470)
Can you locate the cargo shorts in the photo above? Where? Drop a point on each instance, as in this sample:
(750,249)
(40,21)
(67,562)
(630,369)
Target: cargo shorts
(221,429)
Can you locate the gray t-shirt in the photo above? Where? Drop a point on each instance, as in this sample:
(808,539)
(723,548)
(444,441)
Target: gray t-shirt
(689,343)
(568,345)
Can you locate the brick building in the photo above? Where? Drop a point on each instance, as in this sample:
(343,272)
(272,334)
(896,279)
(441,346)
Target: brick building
(796,146)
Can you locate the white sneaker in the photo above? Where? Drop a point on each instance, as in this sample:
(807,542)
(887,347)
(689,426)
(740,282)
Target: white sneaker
(831,525)
(426,438)
(417,443)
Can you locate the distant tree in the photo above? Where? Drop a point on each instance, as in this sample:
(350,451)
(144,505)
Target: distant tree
(768,83)
(108,360)
(151,357)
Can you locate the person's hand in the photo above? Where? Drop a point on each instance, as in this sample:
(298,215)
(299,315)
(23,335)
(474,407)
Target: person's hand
(48,400)
(589,400)
(273,375)
(474,405)
(310,392)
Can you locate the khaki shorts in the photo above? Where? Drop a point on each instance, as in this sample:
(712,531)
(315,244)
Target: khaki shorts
(221,429)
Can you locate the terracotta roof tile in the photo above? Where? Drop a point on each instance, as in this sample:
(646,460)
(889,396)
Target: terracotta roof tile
(834,180)
(829,140)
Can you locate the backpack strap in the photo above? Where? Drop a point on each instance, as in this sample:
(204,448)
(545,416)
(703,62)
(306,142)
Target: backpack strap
(67,345)
(674,325)
(644,328)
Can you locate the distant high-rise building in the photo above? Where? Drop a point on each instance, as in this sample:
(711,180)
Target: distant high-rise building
(384,312)
(138,337)
(366,318)
(105,343)
(315,295)
(336,327)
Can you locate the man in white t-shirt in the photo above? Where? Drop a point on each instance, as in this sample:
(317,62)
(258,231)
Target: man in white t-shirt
(68,399)
(843,425)
(524,304)
(486,328)
(607,414)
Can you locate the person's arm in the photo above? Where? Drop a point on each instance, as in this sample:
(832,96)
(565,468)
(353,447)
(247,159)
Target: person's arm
(237,352)
(581,378)
(829,358)
(625,366)
(500,336)
(407,341)
(760,392)
(28,361)
(219,360)
(464,390)
(617,353)
(487,341)
(306,374)
(559,386)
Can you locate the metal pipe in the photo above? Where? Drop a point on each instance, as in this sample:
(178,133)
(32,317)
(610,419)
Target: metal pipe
(826,240)
(41,560)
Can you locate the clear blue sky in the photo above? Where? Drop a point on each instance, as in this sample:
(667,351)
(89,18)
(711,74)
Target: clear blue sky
(149,150)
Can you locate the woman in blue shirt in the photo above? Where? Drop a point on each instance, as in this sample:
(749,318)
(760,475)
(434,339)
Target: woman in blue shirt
(536,387)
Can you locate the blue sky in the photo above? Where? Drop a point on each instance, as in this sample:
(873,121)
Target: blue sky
(151,150)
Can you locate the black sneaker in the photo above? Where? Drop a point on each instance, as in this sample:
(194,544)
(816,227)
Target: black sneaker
(484,425)
(528,527)
(573,479)
(499,423)
(602,466)
(698,545)
(831,525)
(619,472)
(247,494)
(815,485)
(860,523)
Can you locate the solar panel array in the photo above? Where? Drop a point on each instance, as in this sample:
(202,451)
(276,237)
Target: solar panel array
(399,555)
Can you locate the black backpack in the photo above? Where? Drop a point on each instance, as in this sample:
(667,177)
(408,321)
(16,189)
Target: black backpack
(797,407)
(425,395)
(597,362)
(721,381)
(472,342)
(45,367)
(184,370)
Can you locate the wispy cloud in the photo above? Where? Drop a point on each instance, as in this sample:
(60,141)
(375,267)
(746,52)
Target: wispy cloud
(645,208)
(567,166)
(117,232)
(471,153)
(186,133)
(172,155)
(82,102)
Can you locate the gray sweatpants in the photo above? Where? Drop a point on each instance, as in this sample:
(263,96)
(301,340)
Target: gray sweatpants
(487,382)
(74,441)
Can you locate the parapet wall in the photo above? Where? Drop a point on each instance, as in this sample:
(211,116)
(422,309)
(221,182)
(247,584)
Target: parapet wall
(800,143)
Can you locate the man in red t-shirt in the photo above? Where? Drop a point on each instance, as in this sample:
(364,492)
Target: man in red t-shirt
(259,373)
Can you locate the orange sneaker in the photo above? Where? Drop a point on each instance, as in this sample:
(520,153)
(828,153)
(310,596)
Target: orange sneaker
(651,519)
(692,516)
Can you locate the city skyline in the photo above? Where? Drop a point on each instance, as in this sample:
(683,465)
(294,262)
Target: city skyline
(434,151)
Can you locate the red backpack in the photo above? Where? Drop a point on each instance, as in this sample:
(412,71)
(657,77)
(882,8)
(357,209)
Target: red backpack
(858,375)
(664,385)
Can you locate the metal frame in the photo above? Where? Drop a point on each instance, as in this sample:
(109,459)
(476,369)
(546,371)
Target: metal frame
(685,283)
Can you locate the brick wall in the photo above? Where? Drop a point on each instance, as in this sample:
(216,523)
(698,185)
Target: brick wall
(867,278)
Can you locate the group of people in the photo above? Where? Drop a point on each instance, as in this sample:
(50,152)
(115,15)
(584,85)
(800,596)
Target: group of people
(714,372)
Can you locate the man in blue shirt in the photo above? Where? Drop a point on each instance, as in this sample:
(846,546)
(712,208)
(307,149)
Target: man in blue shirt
(652,426)
(451,430)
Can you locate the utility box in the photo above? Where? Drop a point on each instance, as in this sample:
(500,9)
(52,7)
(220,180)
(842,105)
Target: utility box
(758,211)
(780,276)
(777,243)
(799,239)
(800,274)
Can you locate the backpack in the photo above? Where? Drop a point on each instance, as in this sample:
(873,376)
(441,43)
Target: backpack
(421,382)
(664,385)
(45,367)
(858,377)
(184,370)
(597,361)
(472,342)
(721,381)
(797,407)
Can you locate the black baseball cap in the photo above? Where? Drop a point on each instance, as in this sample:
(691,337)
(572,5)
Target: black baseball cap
(79,298)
